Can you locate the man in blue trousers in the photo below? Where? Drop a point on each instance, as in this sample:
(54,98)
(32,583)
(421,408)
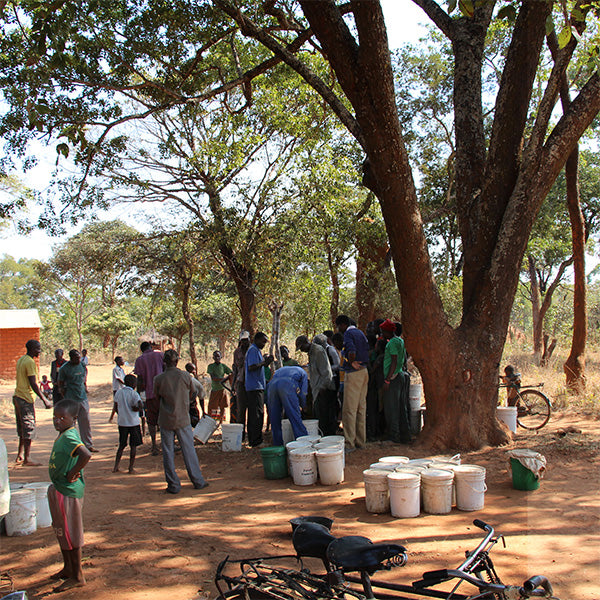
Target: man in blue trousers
(287,390)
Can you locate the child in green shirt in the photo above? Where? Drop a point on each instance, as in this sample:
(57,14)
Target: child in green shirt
(65,495)
(219,374)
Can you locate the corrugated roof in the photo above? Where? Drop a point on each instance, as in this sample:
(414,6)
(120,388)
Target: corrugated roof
(19,319)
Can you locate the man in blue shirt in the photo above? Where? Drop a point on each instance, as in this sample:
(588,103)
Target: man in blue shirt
(287,391)
(254,368)
(356,379)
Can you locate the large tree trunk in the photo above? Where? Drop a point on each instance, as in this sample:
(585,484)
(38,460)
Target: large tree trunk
(243,278)
(574,366)
(371,267)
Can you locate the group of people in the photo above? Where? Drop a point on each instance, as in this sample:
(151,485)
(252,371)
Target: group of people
(356,378)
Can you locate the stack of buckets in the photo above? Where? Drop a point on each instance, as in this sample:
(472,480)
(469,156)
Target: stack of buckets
(29,509)
(232,433)
(312,457)
(402,486)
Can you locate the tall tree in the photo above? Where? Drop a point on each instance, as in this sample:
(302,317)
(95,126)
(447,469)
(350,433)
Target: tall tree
(502,172)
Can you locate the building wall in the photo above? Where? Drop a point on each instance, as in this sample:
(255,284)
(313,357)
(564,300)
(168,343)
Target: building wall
(12,347)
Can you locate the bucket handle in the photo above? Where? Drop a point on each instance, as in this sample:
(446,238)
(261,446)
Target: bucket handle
(485,488)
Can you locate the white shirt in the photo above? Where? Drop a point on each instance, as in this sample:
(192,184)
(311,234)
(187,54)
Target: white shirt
(118,373)
(126,399)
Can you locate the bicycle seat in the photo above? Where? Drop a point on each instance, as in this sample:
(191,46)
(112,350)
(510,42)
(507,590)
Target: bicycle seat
(312,539)
(357,553)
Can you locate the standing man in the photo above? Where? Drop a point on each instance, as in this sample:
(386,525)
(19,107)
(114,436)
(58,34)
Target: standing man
(395,386)
(255,383)
(173,389)
(55,366)
(238,398)
(287,391)
(85,361)
(72,380)
(356,379)
(24,401)
(321,384)
(147,367)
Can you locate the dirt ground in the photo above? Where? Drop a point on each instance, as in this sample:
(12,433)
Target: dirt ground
(144,545)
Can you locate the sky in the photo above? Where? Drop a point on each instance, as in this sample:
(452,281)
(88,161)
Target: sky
(405,24)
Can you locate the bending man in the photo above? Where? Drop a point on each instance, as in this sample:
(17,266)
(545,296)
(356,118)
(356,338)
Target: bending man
(287,391)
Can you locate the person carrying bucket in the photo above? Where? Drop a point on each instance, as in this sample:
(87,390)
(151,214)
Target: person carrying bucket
(287,391)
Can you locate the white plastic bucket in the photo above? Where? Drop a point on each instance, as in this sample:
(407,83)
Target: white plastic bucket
(330,462)
(446,466)
(303,465)
(508,415)
(21,519)
(377,494)
(232,436)
(404,494)
(415,390)
(415,421)
(422,462)
(436,488)
(4,484)
(205,427)
(312,438)
(444,458)
(297,444)
(286,431)
(44,518)
(312,426)
(470,487)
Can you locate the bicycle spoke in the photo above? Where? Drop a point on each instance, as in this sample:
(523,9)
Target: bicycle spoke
(533,409)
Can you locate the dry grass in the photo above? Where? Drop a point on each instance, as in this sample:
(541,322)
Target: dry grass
(553,378)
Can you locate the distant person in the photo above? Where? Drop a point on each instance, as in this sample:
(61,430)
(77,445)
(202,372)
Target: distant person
(24,401)
(118,375)
(46,387)
(128,405)
(85,361)
(55,365)
(65,494)
(321,384)
(286,359)
(356,378)
(197,395)
(512,380)
(255,384)
(147,367)
(287,392)
(237,410)
(173,388)
(219,373)
(72,379)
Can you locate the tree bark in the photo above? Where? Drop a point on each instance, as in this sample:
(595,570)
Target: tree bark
(574,366)
(536,317)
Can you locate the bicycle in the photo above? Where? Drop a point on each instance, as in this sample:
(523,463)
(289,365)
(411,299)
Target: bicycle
(259,580)
(533,406)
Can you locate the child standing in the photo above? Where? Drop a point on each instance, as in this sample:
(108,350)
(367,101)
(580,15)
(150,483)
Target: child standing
(65,494)
(128,405)
(219,374)
(512,380)
(46,387)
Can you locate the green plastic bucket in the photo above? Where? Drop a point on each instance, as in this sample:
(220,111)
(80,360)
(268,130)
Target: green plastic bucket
(523,478)
(274,461)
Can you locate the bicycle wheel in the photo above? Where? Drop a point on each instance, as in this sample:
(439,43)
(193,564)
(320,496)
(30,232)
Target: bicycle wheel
(533,409)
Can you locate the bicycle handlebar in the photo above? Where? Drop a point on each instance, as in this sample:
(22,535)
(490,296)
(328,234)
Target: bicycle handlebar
(537,581)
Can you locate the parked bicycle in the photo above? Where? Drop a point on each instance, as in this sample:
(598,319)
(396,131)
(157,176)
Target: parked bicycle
(261,579)
(533,406)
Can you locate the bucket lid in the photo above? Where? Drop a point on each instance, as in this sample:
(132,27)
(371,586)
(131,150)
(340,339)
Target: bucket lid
(329,439)
(297,444)
(437,474)
(404,476)
(462,469)
(509,409)
(383,466)
(406,469)
(309,438)
(375,475)
(394,459)
(444,466)
(420,461)
(329,451)
(303,451)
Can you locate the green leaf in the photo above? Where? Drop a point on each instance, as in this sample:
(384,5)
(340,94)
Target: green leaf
(63,149)
(549,25)
(466,8)
(564,37)
(451,5)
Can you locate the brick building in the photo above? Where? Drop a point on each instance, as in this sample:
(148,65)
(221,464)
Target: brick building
(16,327)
